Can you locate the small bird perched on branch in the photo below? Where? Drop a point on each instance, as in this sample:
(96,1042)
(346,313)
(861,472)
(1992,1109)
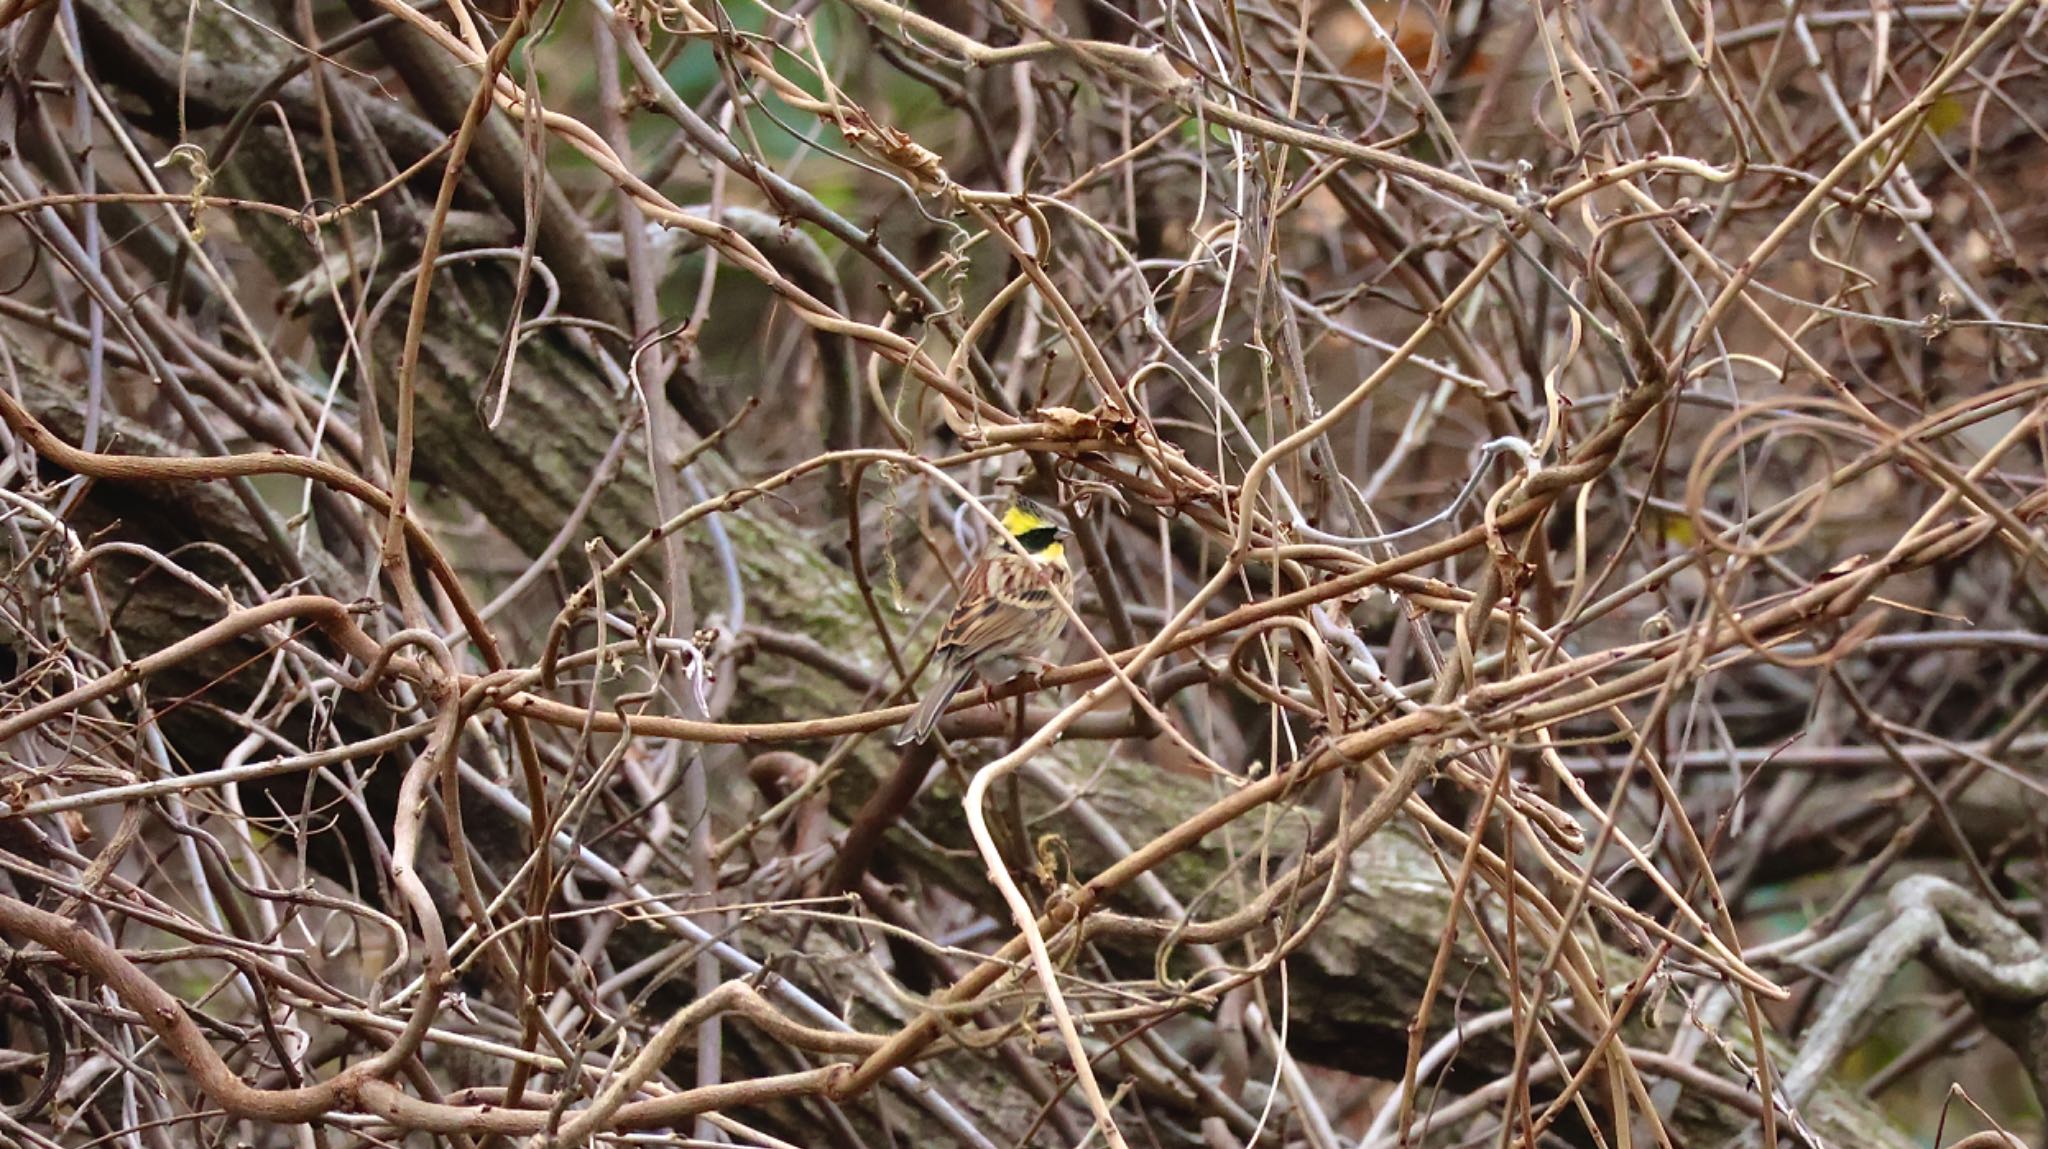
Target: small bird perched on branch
(1009,611)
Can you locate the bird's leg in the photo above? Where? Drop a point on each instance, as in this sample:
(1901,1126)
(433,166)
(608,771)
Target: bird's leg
(1033,673)
(1029,680)
(989,699)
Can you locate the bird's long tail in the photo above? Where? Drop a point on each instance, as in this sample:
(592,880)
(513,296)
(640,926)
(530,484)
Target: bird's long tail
(926,719)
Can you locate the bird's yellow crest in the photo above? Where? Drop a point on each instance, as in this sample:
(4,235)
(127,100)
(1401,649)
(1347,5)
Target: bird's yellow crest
(1021,518)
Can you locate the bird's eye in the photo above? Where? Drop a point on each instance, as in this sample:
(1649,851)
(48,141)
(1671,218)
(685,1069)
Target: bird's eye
(1039,538)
